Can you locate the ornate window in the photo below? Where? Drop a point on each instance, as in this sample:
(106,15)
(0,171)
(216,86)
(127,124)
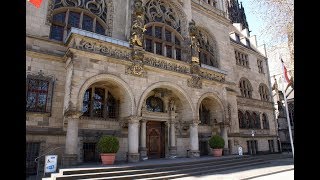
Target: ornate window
(39,93)
(204,114)
(154,104)
(260,66)
(88,15)
(207,50)
(265,122)
(264,92)
(245,88)
(241,120)
(256,119)
(247,119)
(162,40)
(99,102)
(163,34)
(241,59)
(163,12)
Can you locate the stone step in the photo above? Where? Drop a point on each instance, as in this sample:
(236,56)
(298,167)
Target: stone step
(186,172)
(143,166)
(163,171)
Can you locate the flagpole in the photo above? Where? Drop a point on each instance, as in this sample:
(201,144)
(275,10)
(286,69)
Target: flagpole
(287,112)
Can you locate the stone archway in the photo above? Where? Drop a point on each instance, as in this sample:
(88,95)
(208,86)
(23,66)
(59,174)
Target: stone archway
(211,113)
(174,114)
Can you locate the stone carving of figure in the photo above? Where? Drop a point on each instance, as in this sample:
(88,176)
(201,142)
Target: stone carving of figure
(138,27)
(194,42)
(171,105)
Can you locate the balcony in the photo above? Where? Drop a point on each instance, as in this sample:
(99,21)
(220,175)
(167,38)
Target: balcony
(95,36)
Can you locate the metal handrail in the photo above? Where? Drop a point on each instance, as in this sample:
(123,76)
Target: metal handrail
(47,153)
(36,159)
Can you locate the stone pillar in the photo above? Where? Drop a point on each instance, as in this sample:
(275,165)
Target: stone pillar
(143,138)
(224,135)
(173,147)
(133,138)
(70,157)
(194,140)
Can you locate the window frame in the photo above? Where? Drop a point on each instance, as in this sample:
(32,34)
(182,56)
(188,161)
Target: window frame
(163,41)
(66,26)
(49,93)
(105,114)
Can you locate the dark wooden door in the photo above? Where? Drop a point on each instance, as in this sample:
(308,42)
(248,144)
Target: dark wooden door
(155,139)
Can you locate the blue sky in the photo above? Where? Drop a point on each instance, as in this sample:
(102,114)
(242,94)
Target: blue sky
(253,21)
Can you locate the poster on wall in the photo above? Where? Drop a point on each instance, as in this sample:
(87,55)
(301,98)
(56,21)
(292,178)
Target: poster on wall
(51,163)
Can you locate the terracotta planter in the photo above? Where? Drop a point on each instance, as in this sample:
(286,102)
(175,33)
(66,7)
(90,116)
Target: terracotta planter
(107,158)
(217,152)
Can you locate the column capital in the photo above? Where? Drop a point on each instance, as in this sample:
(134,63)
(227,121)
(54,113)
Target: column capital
(144,121)
(195,123)
(134,119)
(74,114)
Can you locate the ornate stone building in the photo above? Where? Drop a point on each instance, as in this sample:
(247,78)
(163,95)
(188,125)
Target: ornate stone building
(161,75)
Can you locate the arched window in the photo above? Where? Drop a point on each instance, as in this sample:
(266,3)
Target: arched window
(99,102)
(206,48)
(265,122)
(163,35)
(163,40)
(245,88)
(241,120)
(247,119)
(83,14)
(154,104)
(204,114)
(264,92)
(256,121)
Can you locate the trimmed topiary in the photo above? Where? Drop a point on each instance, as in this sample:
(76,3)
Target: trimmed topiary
(108,144)
(216,142)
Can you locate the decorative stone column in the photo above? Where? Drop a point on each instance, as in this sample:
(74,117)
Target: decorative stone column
(143,138)
(133,138)
(194,140)
(173,147)
(70,157)
(224,135)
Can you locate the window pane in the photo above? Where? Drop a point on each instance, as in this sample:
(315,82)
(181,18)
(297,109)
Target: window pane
(168,36)
(42,102)
(149,31)
(158,32)
(111,106)
(149,45)
(98,102)
(169,51)
(74,19)
(59,18)
(178,54)
(87,102)
(43,85)
(177,42)
(56,32)
(159,48)
(31,100)
(87,23)
(99,29)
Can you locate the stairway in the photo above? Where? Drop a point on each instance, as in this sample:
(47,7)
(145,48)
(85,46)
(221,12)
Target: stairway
(169,170)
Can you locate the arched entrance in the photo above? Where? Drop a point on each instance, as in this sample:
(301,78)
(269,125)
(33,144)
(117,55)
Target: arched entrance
(211,114)
(164,108)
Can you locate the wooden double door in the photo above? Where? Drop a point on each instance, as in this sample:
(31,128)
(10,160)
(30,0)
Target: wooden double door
(155,139)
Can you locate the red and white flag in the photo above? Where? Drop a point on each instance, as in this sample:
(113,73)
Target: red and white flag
(36,3)
(285,72)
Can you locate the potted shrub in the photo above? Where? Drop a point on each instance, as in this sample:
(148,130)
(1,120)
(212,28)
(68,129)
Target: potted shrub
(108,146)
(216,142)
